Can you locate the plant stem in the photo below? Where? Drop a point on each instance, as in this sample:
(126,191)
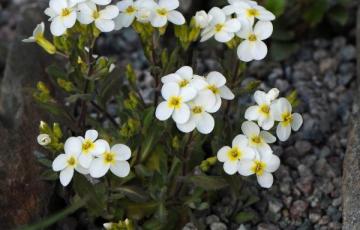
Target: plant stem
(103,111)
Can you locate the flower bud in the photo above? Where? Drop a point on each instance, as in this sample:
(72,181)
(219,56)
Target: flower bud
(43,139)
(202,19)
(46,45)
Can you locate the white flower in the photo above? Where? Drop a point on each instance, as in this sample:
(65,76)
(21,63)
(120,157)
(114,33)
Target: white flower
(68,161)
(90,147)
(175,104)
(202,19)
(262,111)
(37,33)
(220,26)
(200,117)
(253,47)
(282,112)
(129,10)
(184,77)
(114,159)
(103,19)
(62,16)
(43,139)
(263,167)
(165,11)
(215,83)
(97,2)
(231,156)
(258,140)
(248,11)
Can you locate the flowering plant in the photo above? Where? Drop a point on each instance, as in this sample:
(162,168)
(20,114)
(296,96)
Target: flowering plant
(133,163)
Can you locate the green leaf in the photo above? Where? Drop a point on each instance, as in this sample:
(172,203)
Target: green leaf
(315,12)
(243,217)
(45,162)
(276,6)
(75,97)
(339,14)
(209,182)
(134,193)
(251,200)
(139,211)
(49,175)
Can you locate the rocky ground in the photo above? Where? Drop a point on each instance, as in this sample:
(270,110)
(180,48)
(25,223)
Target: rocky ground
(307,190)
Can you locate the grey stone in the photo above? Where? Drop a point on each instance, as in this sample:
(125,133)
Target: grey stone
(348,53)
(302,147)
(218,226)
(189,226)
(265,226)
(298,209)
(304,171)
(211,219)
(275,205)
(24,196)
(314,217)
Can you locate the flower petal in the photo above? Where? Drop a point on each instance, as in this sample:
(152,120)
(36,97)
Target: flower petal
(232,25)
(110,12)
(260,98)
(223,36)
(263,29)
(170,89)
(266,123)
(82,170)
(188,126)
(231,167)
(174,77)
(58,5)
(169,4)
(244,167)
(226,93)
(176,17)
(70,20)
(259,50)
(158,21)
(100,146)
(163,111)
(283,131)
(73,145)
(188,93)
(102,2)
(59,163)
(120,168)
(217,105)
(265,180)
(122,152)
(240,141)
(265,15)
(296,122)
(206,124)
(216,78)
(244,51)
(98,168)
(57,27)
(85,160)
(105,25)
(272,162)
(124,4)
(91,135)
(205,99)
(252,113)
(66,176)
(218,15)
(222,155)
(249,128)
(267,137)
(185,72)
(182,114)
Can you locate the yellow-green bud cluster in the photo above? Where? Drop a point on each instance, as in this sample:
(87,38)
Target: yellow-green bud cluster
(206,164)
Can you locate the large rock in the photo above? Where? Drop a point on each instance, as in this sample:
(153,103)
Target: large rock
(351,166)
(23,196)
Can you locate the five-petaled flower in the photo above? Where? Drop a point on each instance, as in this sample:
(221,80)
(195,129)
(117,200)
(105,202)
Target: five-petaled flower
(175,104)
(262,166)
(282,112)
(113,159)
(220,26)
(165,11)
(231,156)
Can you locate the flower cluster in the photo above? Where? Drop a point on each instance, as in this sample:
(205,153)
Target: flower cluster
(91,156)
(64,14)
(250,152)
(191,99)
(148,11)
(242,18)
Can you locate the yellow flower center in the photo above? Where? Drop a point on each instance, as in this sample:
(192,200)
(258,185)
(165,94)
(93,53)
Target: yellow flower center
(71,161)
(162,12)
(65,12)
(258,167)
(109,158)
(252,12)
(96,14)
(214,89)
(234,154)
(256,140)
(87,146)
(264,109)
(183,83)
(130,10)
(286,119)
(219,27)
(252,38)
(175,102)
(197,109)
